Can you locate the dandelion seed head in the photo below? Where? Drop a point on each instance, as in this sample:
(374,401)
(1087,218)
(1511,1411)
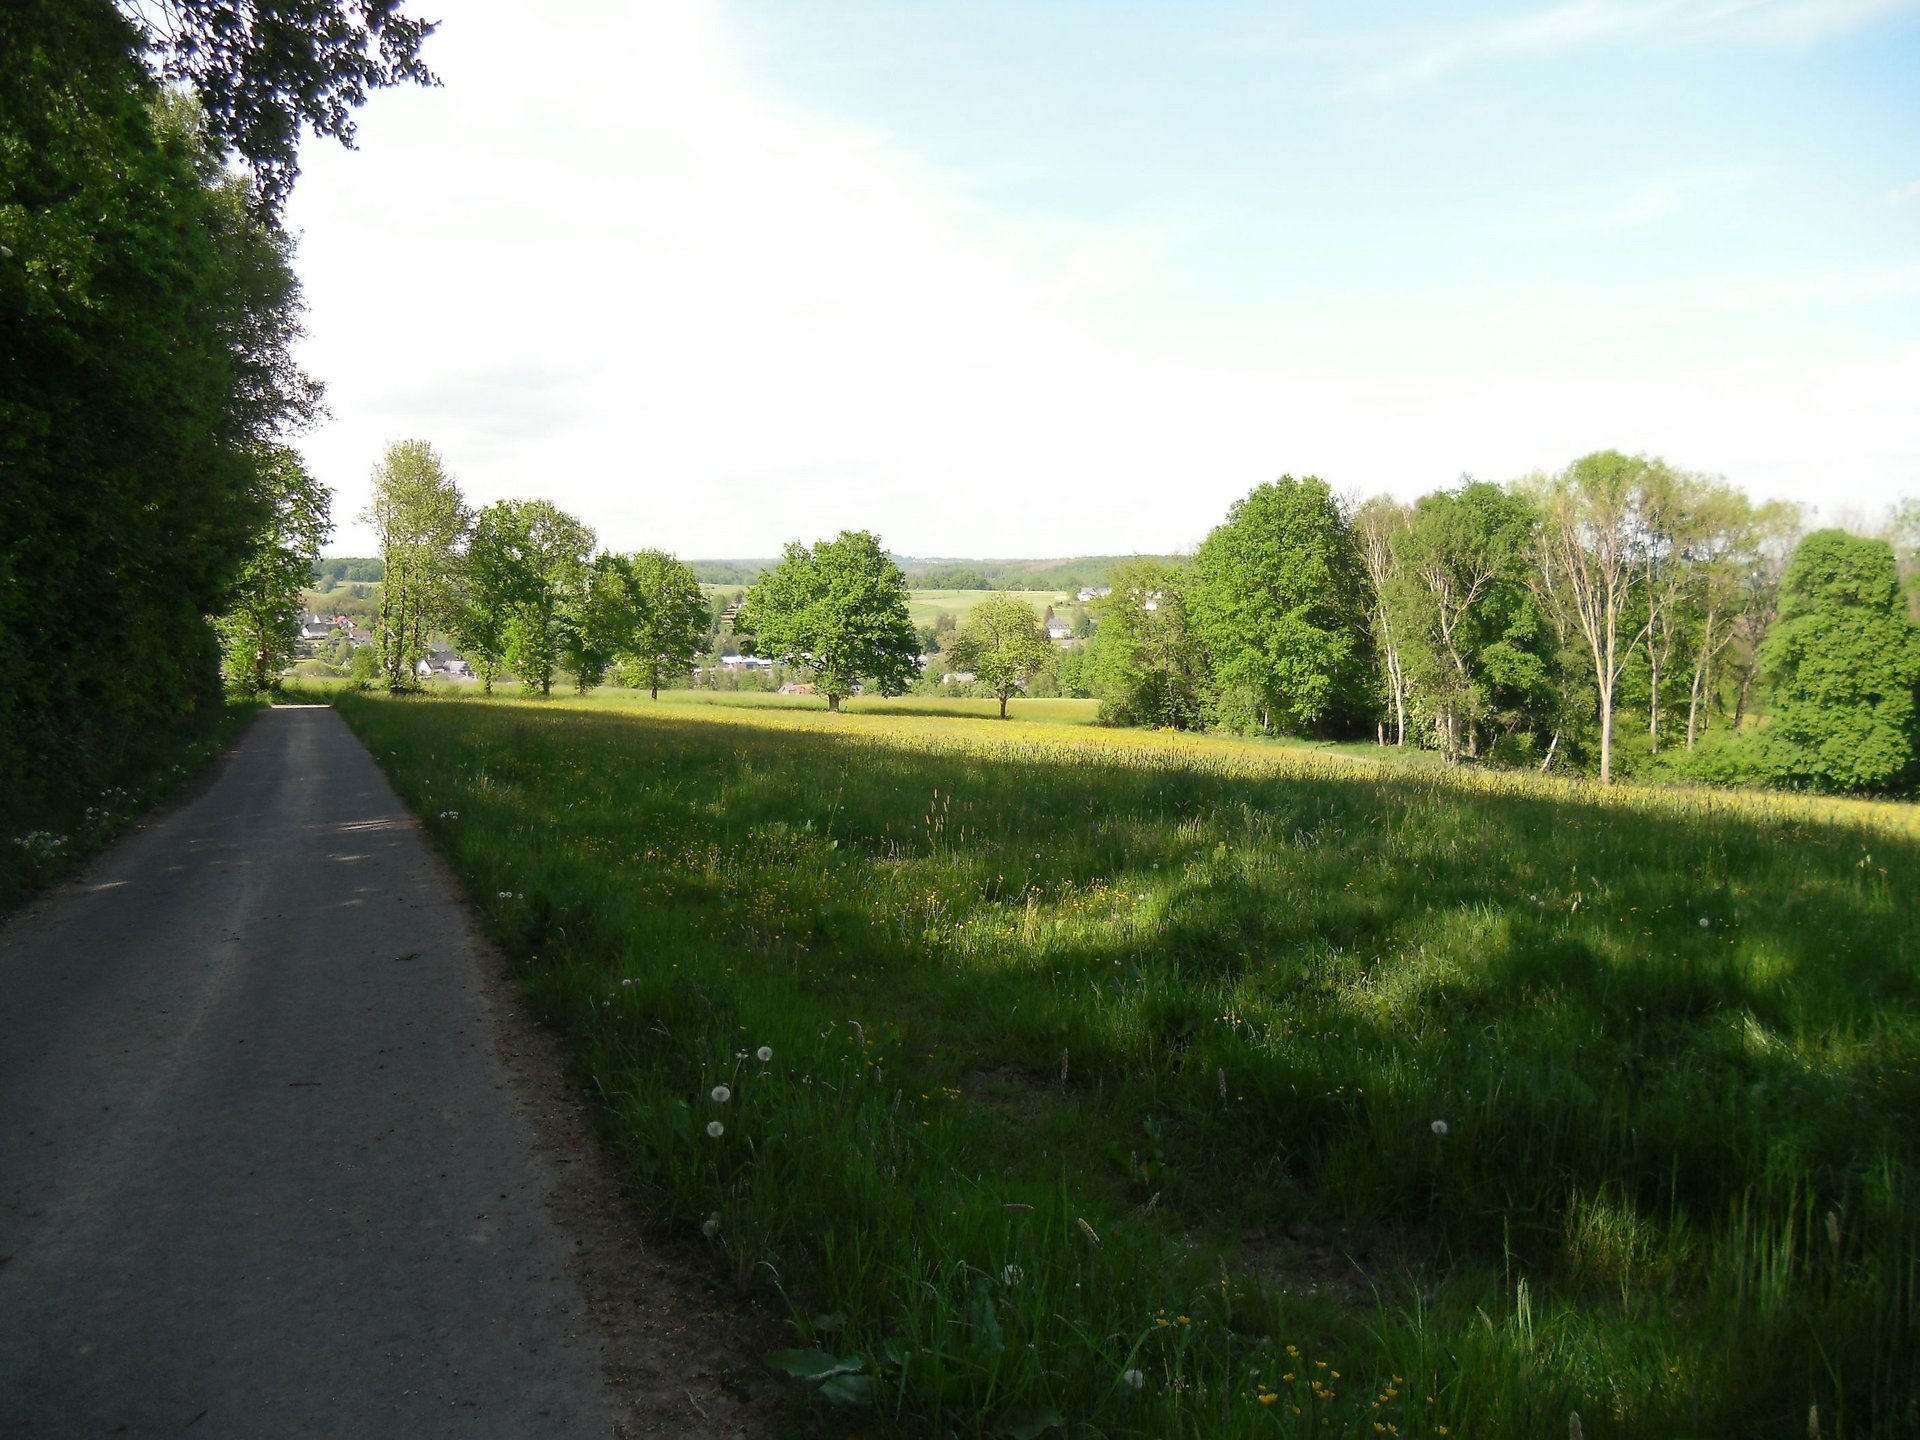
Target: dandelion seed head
(1439,1127)
(763,1054)
(1133,1379)
(721,1094)
(716,1129)
(710,1227)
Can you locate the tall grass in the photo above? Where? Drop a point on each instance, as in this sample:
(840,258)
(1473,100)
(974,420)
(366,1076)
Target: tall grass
(1143,1085)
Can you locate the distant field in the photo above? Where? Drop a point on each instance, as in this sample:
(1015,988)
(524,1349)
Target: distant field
(924,606)
(1142,1084)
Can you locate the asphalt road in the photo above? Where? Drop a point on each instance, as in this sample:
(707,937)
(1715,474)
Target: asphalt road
(262,1171)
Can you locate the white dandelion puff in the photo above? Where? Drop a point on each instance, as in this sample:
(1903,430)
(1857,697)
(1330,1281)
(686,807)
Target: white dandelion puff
(1133,1379)
(721,1094)
(763,1054)
(715,1129)
(710,1227)
(1439,1127)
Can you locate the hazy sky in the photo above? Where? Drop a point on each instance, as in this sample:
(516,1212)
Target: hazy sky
(1003,278)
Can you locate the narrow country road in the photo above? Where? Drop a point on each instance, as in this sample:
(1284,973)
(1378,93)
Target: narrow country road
(262,1170)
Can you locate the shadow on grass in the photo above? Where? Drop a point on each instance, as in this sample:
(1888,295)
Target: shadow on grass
(1261,990)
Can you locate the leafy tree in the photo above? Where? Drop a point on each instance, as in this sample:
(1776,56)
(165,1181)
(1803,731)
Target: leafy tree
(1471,642)
(1146,665)
(148,318)
(1377,528)
(670,617)
(418,515)
(364,669)
(1737,553)
(1844,661)
(597,620)
(840,611)
(1279,602)
(490,588)
(526,578)
(257,631)
(1002,644)
(263,69)
(1593,532)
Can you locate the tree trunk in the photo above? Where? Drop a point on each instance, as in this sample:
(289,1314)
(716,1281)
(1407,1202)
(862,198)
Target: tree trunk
(1003,707)
(1693,701)
(833,703)
(1606,733)
(1653,692)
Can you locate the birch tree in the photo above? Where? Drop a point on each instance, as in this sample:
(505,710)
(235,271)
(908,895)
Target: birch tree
(420,520)
(1377,527)
(1592,534)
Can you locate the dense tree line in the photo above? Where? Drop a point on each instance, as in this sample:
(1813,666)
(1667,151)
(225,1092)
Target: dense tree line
(147,315)
(519,587)
(1619,606)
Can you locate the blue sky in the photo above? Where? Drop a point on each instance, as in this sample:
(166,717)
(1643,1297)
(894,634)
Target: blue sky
(1037,279)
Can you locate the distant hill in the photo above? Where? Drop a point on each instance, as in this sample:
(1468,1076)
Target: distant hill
(945,574)
(332,571)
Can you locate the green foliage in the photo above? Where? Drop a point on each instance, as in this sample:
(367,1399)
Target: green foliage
(419,519)
(1002,644)
(1278,599)
(1146,665)
(149,318)
(1102,1068)
(264,68)
(257,630)
(1477,654)
(671,619)
(840,611)
(597,619)
(1844,661)
(337,570)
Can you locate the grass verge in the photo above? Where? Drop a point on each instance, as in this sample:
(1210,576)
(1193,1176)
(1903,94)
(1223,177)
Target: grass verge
(44,848)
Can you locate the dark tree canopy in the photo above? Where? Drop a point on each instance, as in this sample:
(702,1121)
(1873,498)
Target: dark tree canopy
(264,69)
(147,317)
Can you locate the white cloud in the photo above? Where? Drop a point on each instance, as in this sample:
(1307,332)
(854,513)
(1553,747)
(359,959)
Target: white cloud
(1900,194)
(1579,24)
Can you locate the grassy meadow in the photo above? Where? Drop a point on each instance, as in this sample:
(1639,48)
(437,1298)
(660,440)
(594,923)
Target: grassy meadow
(1065,1081)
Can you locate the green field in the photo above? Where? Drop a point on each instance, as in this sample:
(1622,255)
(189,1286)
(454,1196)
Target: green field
(1153,1085)
(924,606)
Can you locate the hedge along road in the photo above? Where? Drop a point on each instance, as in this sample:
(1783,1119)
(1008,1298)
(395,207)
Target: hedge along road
(262,1168)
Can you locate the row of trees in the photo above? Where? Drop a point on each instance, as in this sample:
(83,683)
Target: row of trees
(519,587)
(1521,622)
(1527,620)
(148,311)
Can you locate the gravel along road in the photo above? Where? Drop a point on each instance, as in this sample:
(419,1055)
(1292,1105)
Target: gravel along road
(263,1171)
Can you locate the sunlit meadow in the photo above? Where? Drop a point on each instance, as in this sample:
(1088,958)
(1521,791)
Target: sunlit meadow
(1076,1082)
